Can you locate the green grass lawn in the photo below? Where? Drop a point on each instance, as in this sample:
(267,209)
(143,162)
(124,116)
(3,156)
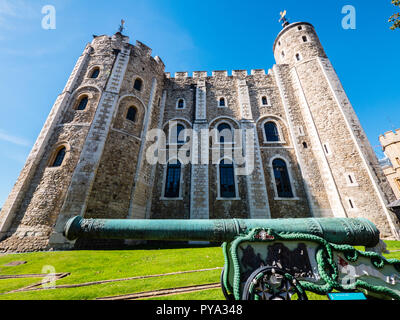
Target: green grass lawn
(88,266)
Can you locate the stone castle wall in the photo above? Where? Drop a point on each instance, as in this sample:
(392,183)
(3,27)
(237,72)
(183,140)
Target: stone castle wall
(331,165)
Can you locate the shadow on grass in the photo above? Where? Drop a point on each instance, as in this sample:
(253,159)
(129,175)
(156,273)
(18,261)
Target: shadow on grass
(106,244)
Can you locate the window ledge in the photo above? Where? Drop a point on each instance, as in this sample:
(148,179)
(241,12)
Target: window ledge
(287,199)
(275,142)
(55,168)
(352,185)
(225,143)
(229,199)
(167,199)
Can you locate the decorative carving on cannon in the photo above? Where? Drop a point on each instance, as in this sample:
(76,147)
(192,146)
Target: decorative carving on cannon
(273,259)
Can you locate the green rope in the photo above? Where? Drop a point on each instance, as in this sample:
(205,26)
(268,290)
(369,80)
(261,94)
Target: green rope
(327,267)
(225,279)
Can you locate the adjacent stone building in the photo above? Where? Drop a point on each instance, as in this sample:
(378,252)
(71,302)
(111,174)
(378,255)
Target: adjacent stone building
(311,157)
(390,142)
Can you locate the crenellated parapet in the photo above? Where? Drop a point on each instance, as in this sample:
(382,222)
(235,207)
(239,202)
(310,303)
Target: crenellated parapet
(218,74)
(389,138)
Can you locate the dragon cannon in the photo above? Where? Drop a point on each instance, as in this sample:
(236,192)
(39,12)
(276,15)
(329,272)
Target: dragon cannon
(274,259)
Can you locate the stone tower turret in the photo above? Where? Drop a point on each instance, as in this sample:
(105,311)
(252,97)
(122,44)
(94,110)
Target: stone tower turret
(390,142)
(354,183)
(298,41)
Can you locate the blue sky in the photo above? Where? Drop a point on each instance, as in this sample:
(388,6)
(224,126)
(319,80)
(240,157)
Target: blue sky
(189,36)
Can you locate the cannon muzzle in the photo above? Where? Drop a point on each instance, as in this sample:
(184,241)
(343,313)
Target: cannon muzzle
(352,231)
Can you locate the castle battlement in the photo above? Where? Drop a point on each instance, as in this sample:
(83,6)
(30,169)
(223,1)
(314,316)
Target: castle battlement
(389,137)
(118,93)
(218,74)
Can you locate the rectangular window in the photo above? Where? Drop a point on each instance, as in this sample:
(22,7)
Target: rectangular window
(227,181)
(173,181)
(351,179)
(351,205)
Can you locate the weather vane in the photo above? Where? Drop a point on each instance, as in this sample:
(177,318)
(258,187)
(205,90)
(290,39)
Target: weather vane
(122,26)
(283,19)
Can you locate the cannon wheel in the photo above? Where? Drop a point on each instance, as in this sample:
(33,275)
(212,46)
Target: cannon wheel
(227,296)
(269,283)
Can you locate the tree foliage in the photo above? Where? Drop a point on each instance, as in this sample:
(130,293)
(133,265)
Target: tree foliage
(395,18)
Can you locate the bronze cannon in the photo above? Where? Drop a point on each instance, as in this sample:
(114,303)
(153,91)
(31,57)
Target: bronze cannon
(272,258)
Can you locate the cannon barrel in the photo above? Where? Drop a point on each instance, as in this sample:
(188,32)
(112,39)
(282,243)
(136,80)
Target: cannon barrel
(352,231)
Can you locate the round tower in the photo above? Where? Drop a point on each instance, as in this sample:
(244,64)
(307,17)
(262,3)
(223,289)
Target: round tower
(353,181)
(296,42)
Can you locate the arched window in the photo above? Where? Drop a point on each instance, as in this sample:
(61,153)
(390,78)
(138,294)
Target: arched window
(59,158)
(138,84)
(271,132)
(181,104)
(177,134)
(224,133)
(131,115)
(264,101)
(95,73)
(227,179)
(173,179)
(282,180)
(82,103)
(222,102)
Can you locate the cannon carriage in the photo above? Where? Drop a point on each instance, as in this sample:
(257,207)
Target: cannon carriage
(279,259)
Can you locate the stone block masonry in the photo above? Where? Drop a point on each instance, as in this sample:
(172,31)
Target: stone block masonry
(310,155)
